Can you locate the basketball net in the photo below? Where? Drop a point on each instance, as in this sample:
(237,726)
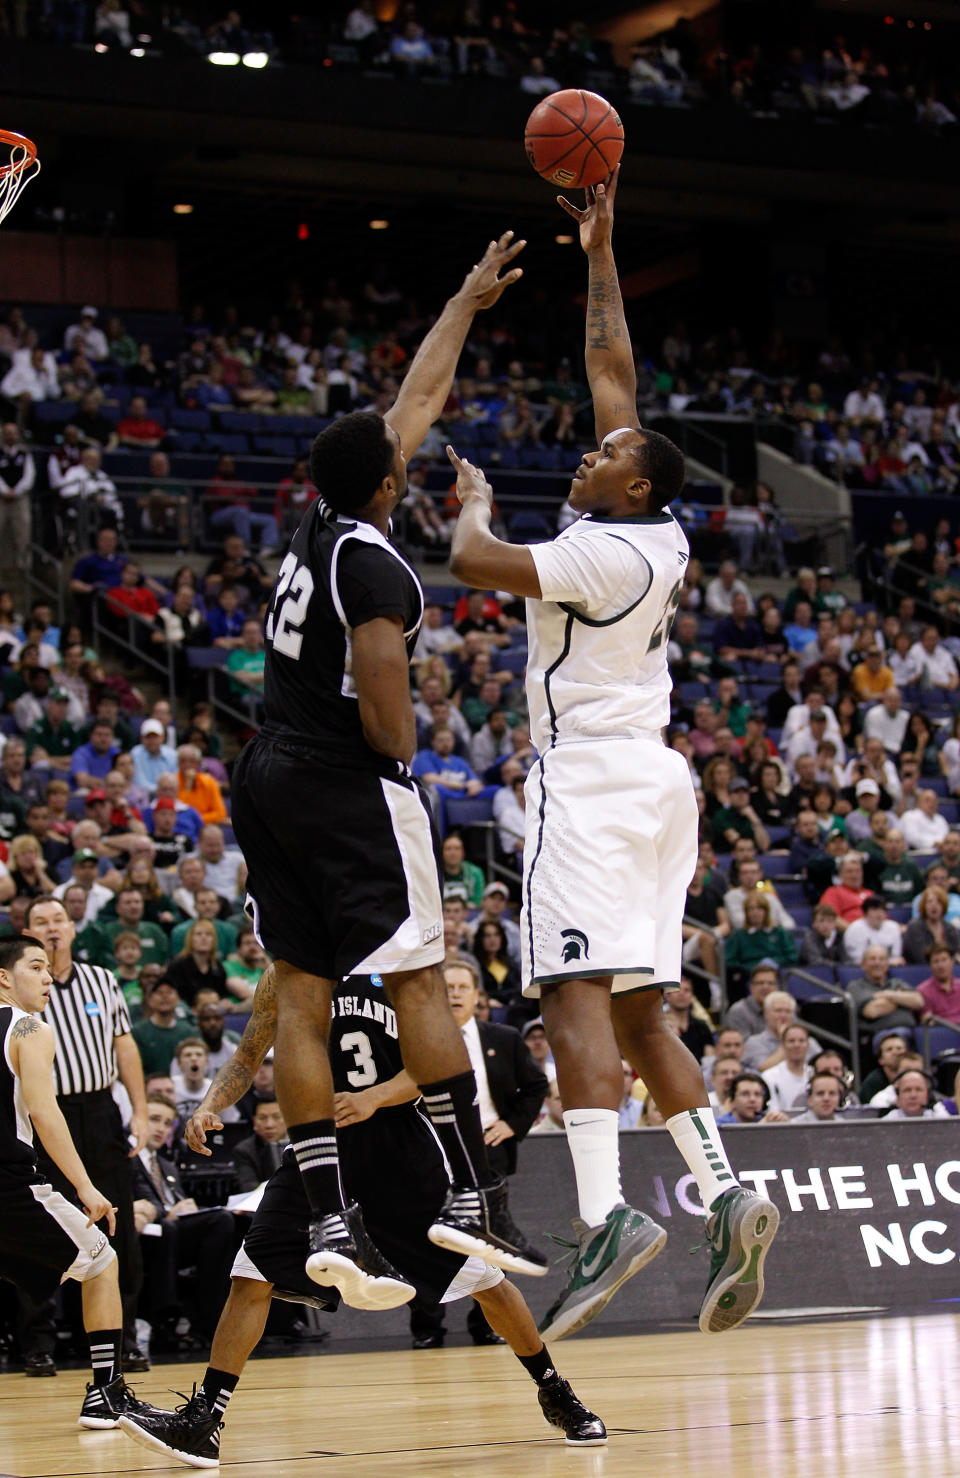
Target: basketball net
(21,167)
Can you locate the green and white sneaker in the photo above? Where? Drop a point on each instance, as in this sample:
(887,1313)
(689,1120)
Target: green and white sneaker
(739,1234)
(604,1257)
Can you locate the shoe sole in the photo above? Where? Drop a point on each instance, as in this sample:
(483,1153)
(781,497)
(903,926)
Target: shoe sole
(575,1441)
(357,1289)
(572,1320)
(98,1423)
(733,1295)
(146,1439)
(453,1240)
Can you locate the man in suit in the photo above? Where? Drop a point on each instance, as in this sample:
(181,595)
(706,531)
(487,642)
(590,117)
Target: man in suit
(511,1090)
(255,1159)
(188,1237)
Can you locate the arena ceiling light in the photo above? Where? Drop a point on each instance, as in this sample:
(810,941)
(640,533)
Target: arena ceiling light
(563,240)
(183,209)
(255,60)
(379,225)
(137,51)
(224,58)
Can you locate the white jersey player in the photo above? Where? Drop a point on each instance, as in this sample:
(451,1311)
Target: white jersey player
(611,819)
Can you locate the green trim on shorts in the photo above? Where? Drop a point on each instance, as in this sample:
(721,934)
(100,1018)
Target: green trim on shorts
(592,975)
(653,985)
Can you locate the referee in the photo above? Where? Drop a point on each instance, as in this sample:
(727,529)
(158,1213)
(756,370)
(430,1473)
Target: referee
(94,1048)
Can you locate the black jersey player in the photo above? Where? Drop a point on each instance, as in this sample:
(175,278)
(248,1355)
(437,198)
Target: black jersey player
(392,1164)
(44,1238)
(337,834)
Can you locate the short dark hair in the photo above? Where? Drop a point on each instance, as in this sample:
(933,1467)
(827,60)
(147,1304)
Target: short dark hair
(661,461)
(350,459)
(263,1098)
(13,949)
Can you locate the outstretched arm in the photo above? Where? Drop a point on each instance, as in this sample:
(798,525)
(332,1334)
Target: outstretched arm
(609,356)
(235,1076)
(478,557)
(427,382)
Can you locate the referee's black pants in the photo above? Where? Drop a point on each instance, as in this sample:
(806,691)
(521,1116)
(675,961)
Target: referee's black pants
(97,1131)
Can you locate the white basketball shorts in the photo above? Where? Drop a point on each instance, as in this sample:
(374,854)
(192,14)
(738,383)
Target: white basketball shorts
(611,845)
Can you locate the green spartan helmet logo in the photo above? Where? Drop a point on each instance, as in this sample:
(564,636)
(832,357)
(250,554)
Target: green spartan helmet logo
(577,946)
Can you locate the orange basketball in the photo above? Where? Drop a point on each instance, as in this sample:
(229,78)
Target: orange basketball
(574,138)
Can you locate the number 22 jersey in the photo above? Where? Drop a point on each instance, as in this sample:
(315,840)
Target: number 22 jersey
(338,574)
(598,638)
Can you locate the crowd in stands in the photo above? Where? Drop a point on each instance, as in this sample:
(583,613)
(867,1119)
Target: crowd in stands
(508,45)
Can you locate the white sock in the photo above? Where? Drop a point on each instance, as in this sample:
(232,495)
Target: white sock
(594,1139)
(696,1136)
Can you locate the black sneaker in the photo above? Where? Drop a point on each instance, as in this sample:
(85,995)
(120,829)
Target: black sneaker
(562,1408)
(476,1223)
(191,1434)
(103,1406)
(342,1256)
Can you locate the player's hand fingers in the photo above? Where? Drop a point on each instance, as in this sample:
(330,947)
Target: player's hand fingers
(111,1215)
(457,463)
(613,180)
(508,252)
(571,209)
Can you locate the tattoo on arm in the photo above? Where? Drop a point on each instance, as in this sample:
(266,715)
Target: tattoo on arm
(604,313)
(235,1076)
(26,1026)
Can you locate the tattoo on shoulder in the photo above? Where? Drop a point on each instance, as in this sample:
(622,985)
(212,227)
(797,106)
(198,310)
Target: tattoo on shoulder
(26,1026)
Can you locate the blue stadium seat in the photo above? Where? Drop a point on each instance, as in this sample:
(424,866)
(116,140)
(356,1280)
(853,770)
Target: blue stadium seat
(529,528)
(942,1039)
(791,894)
(775,867)
(189,441)
(53,412)
(276,446)
(512,659)
(246,422)
(802,917)
(937,783)
(190,420)
(204,657)
(807,990)
(468,810)
(232,443)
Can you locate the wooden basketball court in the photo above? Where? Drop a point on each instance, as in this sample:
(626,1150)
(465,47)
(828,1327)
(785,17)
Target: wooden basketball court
(848,1398)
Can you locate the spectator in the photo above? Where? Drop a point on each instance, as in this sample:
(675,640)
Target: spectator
(411,52)
(749,1098)
(131,596)
(880,999)
(89,496)
(933,664)
(923,827)
(190,1080)
(85,335)
(243,969)
(220,1043)
(499,976)
(198,964)
(822,943)
(914,1098)
(887,721)
(231,503)
(874,928)
(759,939)
(208,905)
(895,876)
(196,789)
(890,1048)
(787,1080)
(191,875)
(130,918)
(689,1020)
(455,869)
(764,1049)
(189,1237)
(493,907)
(941,992)
(751,880)
(83,869)
(848,896)
(221,863)
(825,1098)
(858,823)
(152,757)
(100,570)
(92,762)
(255,1159)
(746,1016)
(439,767)
(721,590)
(180,624)
(509,808)
(160,1031)
(930,927)
(871,678)
(538,83)
(246,662)
(136,429)
(17,477)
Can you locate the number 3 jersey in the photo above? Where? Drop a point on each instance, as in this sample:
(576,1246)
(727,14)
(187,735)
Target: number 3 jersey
(338,574)
(598,637)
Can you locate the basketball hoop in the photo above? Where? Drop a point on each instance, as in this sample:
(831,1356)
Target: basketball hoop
(22,167)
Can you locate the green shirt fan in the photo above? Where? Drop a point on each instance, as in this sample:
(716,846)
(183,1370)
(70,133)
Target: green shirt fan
(21,167)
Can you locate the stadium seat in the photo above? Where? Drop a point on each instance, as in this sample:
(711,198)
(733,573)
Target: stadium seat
(529,528)
(776,866)
(190,420)
(941,1039)
(276,446)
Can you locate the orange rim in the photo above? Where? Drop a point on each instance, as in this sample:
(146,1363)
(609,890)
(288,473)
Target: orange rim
(17,141)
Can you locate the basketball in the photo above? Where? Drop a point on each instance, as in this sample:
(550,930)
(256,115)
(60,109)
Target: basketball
(574,138)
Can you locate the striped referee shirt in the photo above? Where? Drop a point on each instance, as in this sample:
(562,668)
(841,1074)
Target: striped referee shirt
(87,1011)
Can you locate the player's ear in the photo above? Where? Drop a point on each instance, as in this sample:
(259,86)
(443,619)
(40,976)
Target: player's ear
(639,491)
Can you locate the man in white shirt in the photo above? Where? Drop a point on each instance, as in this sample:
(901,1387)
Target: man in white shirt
(84,871)
(863,404)
(222,863)
(723,587)
(435,638)
(31,380)
(887,721)
(787,1080)
(913,1098)
(88,483)
(798,717)
(934,665)
(873,928)
(751,876)
(874,765)
(86,335)
(808,740)
(924,828)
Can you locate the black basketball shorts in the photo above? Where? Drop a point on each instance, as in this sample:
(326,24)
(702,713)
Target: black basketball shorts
(343,873)
(44,1240)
